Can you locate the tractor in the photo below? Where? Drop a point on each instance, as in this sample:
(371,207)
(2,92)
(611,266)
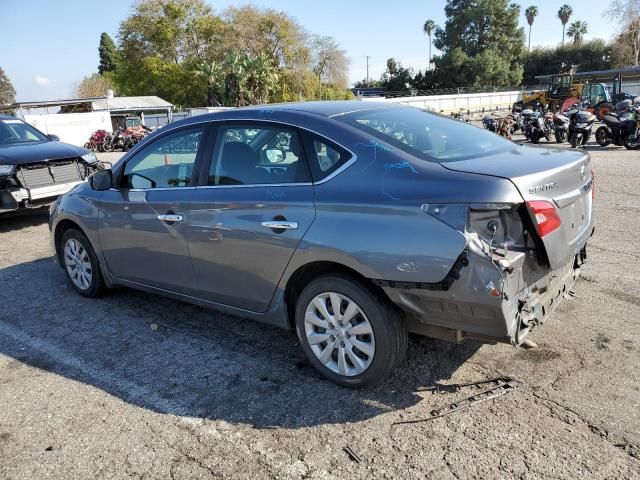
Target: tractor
(563,92)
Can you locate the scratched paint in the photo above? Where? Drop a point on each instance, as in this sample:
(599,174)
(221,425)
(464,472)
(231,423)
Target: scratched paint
(376,147)
(391,166)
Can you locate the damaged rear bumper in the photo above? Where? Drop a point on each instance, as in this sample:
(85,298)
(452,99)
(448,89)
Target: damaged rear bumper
(493,299)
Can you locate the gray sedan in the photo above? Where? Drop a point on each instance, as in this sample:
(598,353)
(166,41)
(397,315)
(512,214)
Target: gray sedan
(353,223)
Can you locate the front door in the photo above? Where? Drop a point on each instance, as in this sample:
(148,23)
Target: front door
(247,223)
(143,223)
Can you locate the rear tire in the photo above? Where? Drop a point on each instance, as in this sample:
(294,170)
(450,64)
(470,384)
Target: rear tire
(376,327)
(535,137)
(560,136)
(80,264)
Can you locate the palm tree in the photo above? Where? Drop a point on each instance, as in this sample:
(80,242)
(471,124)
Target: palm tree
(531,13)
(214,74)
(577,31)
(428,28)
(564,14)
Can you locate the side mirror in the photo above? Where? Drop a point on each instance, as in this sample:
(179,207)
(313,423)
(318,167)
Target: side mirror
(275,155)
(101,180)
(54,138)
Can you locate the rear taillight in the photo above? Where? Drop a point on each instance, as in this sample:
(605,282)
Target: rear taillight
(545,216)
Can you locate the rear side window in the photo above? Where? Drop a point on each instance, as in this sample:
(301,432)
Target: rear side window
(324,157)
(257,154)
(426,135)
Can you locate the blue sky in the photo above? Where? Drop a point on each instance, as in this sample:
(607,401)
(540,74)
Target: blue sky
(47,46)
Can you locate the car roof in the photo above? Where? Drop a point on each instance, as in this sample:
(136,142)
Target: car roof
(325,108)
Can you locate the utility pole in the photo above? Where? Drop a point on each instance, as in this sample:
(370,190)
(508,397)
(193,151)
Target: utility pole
(367,57)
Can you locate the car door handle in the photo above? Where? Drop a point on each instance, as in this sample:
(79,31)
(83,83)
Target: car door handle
(280,225)
(170,217)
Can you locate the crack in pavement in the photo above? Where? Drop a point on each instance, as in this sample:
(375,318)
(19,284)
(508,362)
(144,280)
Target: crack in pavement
(631,449)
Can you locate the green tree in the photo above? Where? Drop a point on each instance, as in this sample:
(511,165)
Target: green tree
(592,55)
(7,92)
(254,31)
(214,74)
(428,28)
(481,44)
(564,14)
(161,43)
(531,13)
(396,78)
(328,61)
(95,85)
(108,54)
(577,30)
(627,14)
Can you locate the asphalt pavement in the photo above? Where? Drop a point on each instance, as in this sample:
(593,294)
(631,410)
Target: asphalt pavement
(137,386)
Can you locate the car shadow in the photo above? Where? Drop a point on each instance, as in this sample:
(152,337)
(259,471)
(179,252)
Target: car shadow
(18,220)
(179,359)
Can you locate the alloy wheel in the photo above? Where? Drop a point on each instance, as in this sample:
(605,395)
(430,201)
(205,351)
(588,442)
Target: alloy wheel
(78,264)
(339,334)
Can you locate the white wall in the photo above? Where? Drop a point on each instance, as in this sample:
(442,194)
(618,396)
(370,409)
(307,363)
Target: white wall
(73,128)
(473,102)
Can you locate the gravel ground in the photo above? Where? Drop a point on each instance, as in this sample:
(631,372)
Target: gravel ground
(137,386)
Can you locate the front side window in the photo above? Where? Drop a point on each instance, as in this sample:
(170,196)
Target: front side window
(250,155)
(426,135)
(166,163)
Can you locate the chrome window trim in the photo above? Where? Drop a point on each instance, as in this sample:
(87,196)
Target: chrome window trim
(342,168)
(347,164)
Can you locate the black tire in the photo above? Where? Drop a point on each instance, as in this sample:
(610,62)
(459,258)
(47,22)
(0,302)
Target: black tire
(388,326)
(560,136)
(535,137)
(97,286)
(574,141)
(631,142)
(602,137)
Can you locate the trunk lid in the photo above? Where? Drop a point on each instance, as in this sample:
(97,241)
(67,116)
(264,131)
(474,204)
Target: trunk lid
(561,177)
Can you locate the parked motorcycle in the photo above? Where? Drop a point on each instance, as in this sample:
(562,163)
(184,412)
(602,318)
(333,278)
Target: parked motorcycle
(580,125)
(97,141)
(536,127)
(121,140)
(561,127)
(621,129)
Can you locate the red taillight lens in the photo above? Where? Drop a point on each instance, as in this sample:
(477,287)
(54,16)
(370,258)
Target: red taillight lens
(545,216)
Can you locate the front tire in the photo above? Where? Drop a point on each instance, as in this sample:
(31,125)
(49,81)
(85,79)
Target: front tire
(602,137)
(350,334)
(575,140)
(631,142)
(81,264)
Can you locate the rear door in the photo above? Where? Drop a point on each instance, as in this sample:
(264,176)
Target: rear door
(143,223)
(250,217)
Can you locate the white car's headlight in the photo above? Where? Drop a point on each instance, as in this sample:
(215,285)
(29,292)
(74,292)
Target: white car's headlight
(6,169)
(90,157)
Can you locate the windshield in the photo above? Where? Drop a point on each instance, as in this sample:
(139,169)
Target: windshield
(16,131)
(426,135)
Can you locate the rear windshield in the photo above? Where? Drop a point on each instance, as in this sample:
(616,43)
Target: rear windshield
(427,135)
